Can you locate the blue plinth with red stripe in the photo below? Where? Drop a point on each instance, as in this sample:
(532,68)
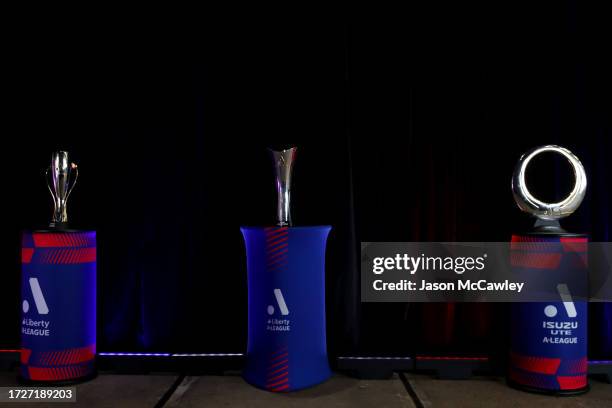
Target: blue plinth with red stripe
(286,348)
(58,294)
(549,339)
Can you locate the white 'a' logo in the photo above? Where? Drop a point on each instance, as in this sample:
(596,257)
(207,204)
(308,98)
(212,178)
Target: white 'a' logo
(281,303)
(568,303)
(39,299)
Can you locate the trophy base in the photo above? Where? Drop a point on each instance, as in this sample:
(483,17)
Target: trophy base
(58,226)
(544,391)
(52,229)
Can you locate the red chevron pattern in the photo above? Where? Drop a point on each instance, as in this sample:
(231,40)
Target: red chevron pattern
(66,256)
(536,260)
(530,246)
(58,373)
(579,366)
(277,379)
(572,382)
(530,379)
(535,244)
(277,247)
(70,356)
(571,244)
(58,240)
(540,365)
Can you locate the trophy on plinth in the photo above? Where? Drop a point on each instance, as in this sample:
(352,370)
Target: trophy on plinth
(549,338)
(58,291)
(287,347)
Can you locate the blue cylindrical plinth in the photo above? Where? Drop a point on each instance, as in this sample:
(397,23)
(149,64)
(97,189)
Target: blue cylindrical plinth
(549,339)
(58,294)
(287,347)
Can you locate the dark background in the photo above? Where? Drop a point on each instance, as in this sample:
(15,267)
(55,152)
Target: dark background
(408,123)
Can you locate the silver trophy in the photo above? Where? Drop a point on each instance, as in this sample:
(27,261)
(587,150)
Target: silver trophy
(61,178)
(283,165)
(549,212)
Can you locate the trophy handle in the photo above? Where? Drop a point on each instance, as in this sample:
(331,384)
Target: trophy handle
(74,167)
(50,189)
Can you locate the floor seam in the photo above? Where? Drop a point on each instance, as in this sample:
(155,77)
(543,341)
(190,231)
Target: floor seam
(162,401)
(415,398)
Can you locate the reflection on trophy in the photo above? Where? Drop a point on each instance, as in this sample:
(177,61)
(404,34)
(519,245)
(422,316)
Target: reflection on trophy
(283,166)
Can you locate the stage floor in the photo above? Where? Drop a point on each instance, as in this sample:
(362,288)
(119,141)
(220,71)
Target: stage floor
(403,390)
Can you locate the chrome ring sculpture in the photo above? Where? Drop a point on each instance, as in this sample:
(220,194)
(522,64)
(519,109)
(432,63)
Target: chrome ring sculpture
(538,208)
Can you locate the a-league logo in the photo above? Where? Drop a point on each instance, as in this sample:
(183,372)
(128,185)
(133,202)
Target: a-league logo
(39,298)
(568,303)
(280,300)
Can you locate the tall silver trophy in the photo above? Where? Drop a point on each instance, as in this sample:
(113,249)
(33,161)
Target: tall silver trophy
(286,347)
(283,167)
(61,179)
(58,330)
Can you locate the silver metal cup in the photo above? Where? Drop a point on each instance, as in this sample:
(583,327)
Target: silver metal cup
(283,166)
(61,179)
(542,210)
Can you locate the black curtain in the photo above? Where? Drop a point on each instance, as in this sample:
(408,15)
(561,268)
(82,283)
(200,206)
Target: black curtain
(408,124)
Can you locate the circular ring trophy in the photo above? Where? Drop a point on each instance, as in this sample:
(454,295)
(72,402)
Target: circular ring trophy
(549,339)
(286,348)
(58,291)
